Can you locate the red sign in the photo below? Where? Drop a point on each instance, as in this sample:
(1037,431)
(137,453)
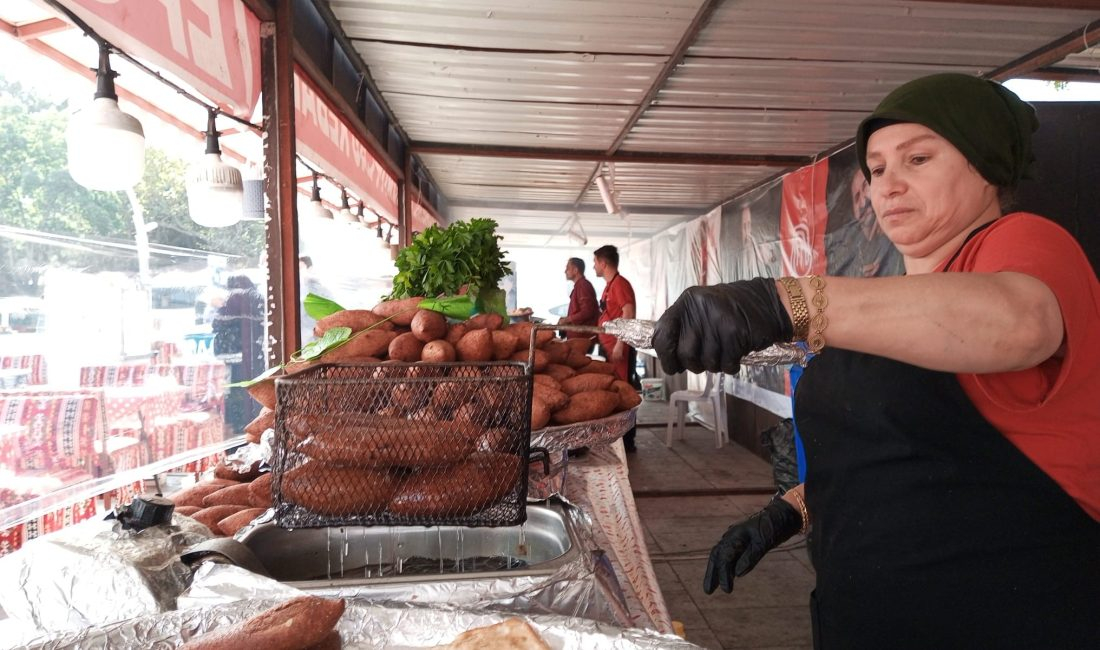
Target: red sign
(802,220)
(326,139)
(213,45)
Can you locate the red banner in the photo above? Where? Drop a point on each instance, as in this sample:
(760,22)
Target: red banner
(325,138)
(803,218)
(213,45)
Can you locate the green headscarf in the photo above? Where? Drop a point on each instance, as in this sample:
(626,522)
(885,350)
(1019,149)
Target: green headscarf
(985,121)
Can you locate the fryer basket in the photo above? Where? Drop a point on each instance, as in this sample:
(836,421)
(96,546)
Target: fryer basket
(401,444)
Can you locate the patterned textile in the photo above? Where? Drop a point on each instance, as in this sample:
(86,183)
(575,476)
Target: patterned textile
(598,483)
(165,351)
(35,362)
(123,453)
(13,538)
(176,434)
(128,403)
(60,431)
(10,434)
(123,495)
(122,374)
(204,380)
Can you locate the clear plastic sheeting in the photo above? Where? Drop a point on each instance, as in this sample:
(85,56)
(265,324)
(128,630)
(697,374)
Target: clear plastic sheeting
(95,572)
(364,626)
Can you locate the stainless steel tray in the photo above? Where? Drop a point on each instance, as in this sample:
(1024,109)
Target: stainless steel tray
(315,559)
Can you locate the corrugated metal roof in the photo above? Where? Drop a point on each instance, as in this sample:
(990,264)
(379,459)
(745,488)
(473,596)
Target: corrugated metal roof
(604,26)
(760,78)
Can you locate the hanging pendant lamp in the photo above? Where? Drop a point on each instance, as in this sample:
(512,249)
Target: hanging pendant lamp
(215,189)
(106,147)
(318,208)
(345,215)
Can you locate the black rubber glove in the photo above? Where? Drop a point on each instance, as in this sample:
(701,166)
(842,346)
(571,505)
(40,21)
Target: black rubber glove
(746,542)
(711,328)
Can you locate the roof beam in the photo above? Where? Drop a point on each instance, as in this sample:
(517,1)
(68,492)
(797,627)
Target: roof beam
(1063,74)
(1040,4)
(591,234)
(1076,41)
(41,28)
(515,206)
(702,17)
(594,155)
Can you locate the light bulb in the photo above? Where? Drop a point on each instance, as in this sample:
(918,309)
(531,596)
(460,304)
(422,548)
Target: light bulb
(106,147)
(345,214)
(318,208)
(215,189)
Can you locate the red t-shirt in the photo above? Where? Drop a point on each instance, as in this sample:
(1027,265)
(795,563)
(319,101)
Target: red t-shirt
(616,294)
(1050,412)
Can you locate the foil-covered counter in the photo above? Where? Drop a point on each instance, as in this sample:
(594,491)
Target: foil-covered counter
(94,573)
(363,626)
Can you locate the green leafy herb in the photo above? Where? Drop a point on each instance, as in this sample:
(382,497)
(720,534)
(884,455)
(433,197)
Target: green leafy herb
(318,307)
(442,261)
(458,307)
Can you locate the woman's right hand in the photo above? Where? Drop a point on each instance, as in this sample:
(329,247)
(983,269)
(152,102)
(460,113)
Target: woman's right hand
(711,328)
(745,543)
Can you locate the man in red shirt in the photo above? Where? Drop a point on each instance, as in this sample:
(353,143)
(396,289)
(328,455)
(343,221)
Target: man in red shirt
(583,309)
(617,302)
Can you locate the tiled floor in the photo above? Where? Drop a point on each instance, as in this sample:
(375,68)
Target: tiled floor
(768,607)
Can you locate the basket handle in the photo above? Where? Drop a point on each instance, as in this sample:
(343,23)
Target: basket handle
(540,453)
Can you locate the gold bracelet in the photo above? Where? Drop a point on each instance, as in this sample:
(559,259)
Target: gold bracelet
(803,512)
(800,313)
(819,322)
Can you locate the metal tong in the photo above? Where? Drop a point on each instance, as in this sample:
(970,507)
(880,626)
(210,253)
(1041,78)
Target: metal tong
(638,334)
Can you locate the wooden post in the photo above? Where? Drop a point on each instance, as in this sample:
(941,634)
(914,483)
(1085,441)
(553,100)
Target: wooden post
(280,183)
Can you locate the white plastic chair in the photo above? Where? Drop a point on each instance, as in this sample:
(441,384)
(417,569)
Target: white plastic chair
(713,393)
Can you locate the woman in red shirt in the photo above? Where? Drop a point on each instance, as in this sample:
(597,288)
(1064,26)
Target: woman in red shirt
(952,416)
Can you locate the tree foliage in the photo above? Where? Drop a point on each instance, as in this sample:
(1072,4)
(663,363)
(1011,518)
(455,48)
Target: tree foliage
(37,194)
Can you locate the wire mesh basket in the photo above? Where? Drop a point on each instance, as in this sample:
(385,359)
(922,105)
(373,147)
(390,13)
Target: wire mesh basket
(401,444)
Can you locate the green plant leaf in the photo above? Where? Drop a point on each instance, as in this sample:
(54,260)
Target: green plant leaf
(332,338)
(255,380)
(318,307)
(457,307)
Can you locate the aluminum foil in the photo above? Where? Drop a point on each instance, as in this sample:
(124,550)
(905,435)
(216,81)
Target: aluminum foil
(780,354)
(591,433)
(639,334)
(245,457)
(396,626)
(95,572)
(545,484)
(635,333)
(584,585)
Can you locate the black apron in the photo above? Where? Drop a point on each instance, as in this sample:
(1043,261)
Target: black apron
(931,529)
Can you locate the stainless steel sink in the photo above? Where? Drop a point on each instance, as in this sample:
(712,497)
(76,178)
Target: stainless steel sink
(323,558)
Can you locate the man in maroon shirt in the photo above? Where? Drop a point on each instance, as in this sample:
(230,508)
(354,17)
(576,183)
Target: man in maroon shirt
(583,309)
